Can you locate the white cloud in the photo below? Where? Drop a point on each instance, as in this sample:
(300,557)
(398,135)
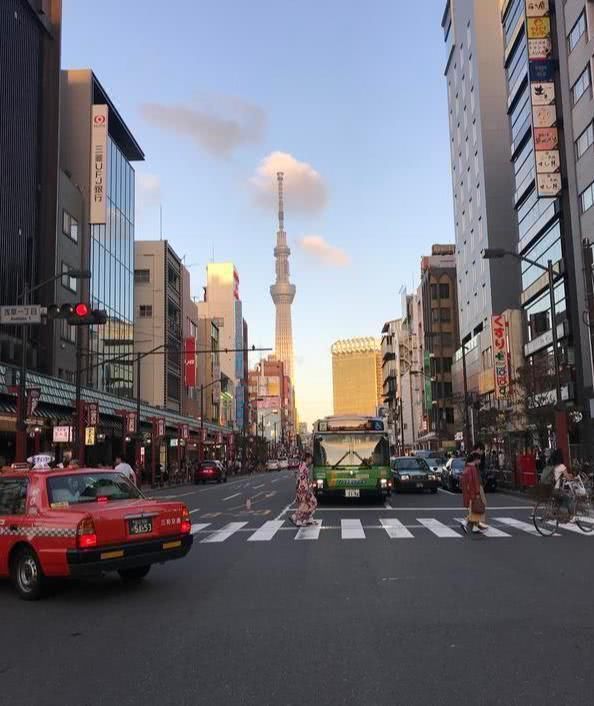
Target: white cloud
(218,124)
(305,190)
(323,251)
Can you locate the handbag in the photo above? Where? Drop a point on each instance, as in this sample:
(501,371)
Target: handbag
(477,505)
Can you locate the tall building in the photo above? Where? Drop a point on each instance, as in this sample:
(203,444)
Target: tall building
(159,321)
(272,402)
(441,340)
(283,292)
(29,96)
(356,369)
(547,60)
(481,139)
(390,375)
(223,305)
(96,207)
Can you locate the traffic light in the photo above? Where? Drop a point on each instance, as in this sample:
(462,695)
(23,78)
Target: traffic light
(59,311)
(83,315)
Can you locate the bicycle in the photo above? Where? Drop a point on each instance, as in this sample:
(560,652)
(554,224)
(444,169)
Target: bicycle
(549,511)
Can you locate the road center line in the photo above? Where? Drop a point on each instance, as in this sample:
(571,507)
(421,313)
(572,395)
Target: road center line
(259,486)
(195,510)
(235,495)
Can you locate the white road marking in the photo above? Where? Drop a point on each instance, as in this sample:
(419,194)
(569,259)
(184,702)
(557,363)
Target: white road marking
(267,531)
(351,529)
(438,528)
(285,510)
(235,495)
(259,486)
(310,532)
(195,510)
(489,532)
(395,528)
(574,528)
(224,533)
(276,480)
(395,508)
(198,527)
(518,524)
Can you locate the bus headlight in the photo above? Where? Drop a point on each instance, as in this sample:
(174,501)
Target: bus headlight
(383,483)
(320,484)
(431,476)
(405,476)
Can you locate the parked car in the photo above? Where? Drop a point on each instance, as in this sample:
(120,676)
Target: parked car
(450,478)
(283,464)
(272,464)
(210,471)
(87,522)
(412,473)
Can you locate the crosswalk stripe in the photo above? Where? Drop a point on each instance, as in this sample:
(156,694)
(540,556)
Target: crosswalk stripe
(351,529)
(310,532)
(570,527)
(224,533)
(395,528)
(199,526)
(490,531)
(438,528)
(267,531)
(518,524)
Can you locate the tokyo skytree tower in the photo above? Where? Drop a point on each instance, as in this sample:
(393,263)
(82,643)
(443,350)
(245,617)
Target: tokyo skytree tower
(282,291)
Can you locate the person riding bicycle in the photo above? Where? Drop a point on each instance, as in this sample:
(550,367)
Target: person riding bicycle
(562,483)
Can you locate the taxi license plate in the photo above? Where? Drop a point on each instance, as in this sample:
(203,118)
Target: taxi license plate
(351,493)
(140,525)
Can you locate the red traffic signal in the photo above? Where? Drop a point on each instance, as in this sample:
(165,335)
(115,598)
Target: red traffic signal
(83,315)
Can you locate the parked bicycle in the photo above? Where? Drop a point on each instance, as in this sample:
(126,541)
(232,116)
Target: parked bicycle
(556,507)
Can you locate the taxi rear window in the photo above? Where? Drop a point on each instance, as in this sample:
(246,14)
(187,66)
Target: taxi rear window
(89,487)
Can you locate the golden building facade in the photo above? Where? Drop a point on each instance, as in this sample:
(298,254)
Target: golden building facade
(356,376)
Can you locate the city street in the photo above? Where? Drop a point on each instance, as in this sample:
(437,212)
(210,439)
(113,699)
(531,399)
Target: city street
(379,604)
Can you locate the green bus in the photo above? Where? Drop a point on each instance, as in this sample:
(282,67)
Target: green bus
(351,457)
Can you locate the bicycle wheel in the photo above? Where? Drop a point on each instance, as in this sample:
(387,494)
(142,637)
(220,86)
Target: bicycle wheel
(545,518)
(585,515)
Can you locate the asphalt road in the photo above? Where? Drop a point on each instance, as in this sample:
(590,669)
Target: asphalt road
(382,605)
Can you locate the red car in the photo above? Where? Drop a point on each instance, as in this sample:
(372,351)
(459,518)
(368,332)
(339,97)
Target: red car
(58,523)
(210,470)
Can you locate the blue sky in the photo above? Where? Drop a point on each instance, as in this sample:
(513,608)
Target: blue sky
(352,94)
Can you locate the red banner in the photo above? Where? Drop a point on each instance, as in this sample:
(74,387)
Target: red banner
(158,426)
(184,431)
(33,397)
(131,422)
(203,433)
(500,356)
(219,438)
(190,362)
(92,414)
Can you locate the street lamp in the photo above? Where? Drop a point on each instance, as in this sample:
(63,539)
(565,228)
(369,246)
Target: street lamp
(21,425)
(498,253)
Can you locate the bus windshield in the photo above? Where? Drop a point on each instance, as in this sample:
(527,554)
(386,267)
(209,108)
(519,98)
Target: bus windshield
(337,450)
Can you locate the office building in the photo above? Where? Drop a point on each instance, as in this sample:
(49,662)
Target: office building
(356,375)
(481,139)
(409,366)
(390,376)
(29,96)
(547,59)
(159,294)
(97,184)
(440,342)
(272,402)
(222,304)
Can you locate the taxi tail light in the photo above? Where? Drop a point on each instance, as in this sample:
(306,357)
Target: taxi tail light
(186,523)
(85,533)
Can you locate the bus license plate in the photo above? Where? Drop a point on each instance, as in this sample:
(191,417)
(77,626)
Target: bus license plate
(351,493)
(419,485)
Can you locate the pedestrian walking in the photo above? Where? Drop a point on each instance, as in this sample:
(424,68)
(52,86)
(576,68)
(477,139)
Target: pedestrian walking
(305,498)
(473,495)
(125,469)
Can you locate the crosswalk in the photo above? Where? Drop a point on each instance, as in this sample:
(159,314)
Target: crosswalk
(390,527)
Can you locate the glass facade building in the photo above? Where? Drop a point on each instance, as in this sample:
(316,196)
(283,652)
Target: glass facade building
(112,282)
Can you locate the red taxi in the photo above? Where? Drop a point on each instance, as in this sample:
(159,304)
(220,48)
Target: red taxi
(56,523)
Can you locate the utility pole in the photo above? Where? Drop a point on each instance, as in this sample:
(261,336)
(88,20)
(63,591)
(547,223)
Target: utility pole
(466,429)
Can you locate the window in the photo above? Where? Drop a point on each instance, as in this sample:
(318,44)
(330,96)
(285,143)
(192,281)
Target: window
(67,332)
(13,496)
(581,85)
(145,311)
(445,314)
(577,31)
(584,141)
(69,226)
(434,291)
(67,375)
(68,282)
(587,198)
(142,276)
(449,415)
(444,290)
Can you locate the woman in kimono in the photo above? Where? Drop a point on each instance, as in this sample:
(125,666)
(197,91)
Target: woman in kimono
(473,495)
(305,498)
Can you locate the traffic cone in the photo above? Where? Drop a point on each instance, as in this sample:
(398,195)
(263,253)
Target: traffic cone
(248,504)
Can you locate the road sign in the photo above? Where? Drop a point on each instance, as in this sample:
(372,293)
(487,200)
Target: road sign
(30,314)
